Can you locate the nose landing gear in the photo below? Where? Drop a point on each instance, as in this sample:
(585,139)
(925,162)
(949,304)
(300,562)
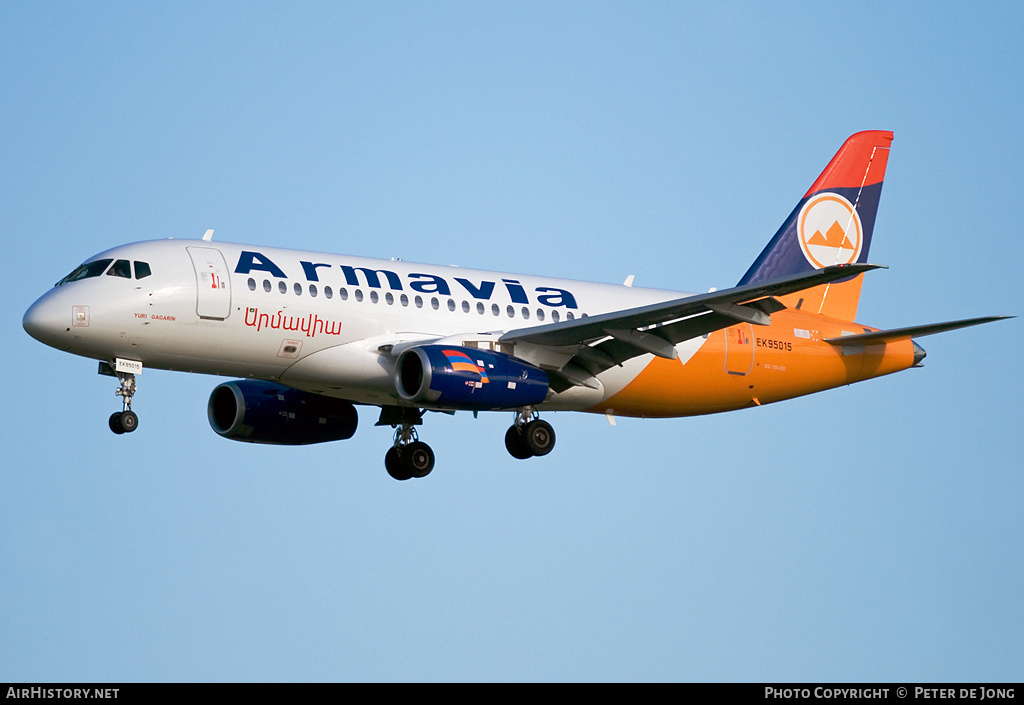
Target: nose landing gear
(124,421)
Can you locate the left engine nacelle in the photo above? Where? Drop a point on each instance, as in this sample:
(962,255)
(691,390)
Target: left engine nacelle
(455,377)
(255,411)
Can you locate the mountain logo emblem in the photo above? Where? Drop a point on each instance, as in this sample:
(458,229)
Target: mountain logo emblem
(829,231)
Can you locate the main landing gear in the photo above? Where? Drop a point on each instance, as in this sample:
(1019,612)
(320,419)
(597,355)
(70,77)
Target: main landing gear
(127,420)
(529,436)
(409,457)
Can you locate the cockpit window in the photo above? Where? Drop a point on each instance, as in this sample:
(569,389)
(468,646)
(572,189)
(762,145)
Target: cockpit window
(87,270)
(121,268)
(142,269)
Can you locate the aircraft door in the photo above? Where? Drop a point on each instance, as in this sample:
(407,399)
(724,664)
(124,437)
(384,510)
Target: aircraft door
(739,349)
(213,283)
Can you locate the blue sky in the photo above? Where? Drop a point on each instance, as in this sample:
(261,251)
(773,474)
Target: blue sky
(870,533)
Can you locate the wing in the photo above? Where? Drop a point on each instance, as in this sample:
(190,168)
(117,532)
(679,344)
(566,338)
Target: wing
(596,343)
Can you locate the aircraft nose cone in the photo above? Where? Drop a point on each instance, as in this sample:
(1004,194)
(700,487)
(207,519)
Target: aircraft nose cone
(46,319)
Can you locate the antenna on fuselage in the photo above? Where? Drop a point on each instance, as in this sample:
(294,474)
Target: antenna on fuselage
(208,236)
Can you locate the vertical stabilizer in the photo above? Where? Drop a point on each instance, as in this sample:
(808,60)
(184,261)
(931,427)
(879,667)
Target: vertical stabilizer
(832,224)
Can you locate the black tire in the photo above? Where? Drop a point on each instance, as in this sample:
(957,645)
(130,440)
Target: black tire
(394,465)
(515,443)
(115,423)
(540,437)
(129,421)
(418,459)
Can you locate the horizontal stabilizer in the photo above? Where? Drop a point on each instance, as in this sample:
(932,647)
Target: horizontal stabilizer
(886,336)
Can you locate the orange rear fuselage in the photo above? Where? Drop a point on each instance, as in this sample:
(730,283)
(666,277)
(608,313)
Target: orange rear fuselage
(746,365)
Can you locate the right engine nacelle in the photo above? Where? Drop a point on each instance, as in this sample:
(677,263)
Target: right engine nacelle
(455,377)
(255,411)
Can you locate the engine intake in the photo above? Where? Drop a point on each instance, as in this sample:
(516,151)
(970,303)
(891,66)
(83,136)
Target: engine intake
(255,411)
(467,378)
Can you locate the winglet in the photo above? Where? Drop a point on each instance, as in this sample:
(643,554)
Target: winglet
(208,236)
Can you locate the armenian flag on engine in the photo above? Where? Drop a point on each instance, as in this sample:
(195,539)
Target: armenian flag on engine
(461,362)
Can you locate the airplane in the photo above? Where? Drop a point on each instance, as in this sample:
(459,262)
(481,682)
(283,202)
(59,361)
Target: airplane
(313,335)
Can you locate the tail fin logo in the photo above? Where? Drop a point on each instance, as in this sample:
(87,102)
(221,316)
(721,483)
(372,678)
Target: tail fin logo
(829,231)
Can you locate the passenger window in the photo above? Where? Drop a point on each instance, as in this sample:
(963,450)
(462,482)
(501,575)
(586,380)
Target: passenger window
(465,307)
(554,316)
(511,312)
(327,292)
(252,284)
(419,301)
(389,298)
(142,270)
(451,304)
(298,289)
(343,293)
(526,313)
(479,308)
(434,304)
(312,290)
(266,285)
(405,300)
(121,268)
(540,314)
(359,294)
(282,287)
(496,309)
(373,297)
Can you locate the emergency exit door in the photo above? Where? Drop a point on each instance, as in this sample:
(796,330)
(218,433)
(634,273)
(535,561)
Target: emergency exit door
(739,349)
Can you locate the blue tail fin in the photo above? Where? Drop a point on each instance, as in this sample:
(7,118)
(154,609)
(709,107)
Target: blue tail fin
(832,224)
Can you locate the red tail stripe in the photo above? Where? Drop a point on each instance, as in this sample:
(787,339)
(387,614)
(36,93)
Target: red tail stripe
(846,170)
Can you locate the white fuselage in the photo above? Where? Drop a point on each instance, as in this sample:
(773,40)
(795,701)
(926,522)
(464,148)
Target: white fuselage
(319,322)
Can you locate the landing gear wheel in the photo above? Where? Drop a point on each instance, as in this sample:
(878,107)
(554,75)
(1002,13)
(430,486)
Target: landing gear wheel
(418,459)
(129,421)
(395,466)
(409,456)
(515,443)
(539,436)
(124,421)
